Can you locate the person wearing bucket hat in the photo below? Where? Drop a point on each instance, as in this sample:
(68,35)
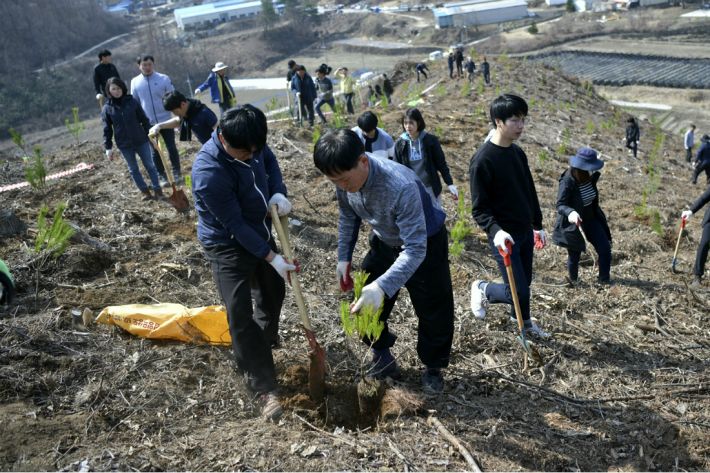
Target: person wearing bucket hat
(220,88)
(579,211)
(702,160)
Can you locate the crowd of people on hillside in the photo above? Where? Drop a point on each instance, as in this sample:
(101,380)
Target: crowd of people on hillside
(395,185)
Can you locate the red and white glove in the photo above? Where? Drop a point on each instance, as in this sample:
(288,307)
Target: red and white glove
(454,191)
(540,239)
(500,238)
(574,217)
(282,266)
(686,214)
(344,278)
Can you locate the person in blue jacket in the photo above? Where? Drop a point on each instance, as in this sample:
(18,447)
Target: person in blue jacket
(125,121)
(304,87)
(578,210)
(220,88)
(235,180)
(701,255)
(702,160)
(191,115)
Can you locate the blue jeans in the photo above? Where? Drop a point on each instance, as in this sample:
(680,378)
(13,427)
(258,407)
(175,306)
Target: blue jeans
(320,103)
(168,135)
(594,231)
(522,260)
(129,155)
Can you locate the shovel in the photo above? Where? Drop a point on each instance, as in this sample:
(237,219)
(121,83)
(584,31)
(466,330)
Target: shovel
(316,372)
(677,244)
(514,292)
(178,199)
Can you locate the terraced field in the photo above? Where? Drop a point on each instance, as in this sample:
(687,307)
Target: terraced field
(631,69)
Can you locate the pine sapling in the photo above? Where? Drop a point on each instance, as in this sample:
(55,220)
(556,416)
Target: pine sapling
(75,126)
(35,171)
(461,228)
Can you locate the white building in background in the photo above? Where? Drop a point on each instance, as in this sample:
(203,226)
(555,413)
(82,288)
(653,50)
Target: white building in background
(480,13)
(219,12)
(555,3)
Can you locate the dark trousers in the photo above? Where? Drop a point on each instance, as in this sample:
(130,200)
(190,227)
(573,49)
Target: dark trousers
(349,102)
(422,73)
(223,107)
(168,135)
(522,261)
(322,102)
(431,294)
(702,256)
(241,276)
(689,154)
(307,111)
(487,77)
(632,146)
(594,231)
(701,166)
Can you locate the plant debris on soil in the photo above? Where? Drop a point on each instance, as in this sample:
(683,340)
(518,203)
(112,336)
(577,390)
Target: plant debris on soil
(622,384)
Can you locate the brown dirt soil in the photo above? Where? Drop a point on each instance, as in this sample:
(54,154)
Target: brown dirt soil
(623,384)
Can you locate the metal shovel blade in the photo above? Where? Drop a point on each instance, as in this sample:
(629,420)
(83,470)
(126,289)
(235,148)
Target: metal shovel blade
(178,199)
(317,369)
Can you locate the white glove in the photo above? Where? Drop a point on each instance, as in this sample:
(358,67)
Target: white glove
(109,154)
(197,91)
(454,190)
(99,96)
(574,217)
(282,266)
(343,274)
(281,203)
(371,295)
(500,238)
(686,214)
(154,130)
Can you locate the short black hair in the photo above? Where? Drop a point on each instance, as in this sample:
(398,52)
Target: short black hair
(631,120)
(415,115)
(507,106)
(145,57)
(173,100)
(103,53)
(337,151)
(118,82)
(367,121)
(244,127)
(301,67)
(291,63)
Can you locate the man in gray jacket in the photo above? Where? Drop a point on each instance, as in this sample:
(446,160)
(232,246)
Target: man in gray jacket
(148,88)
(408,247)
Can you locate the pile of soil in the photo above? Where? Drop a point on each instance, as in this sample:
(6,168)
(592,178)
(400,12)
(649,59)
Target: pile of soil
(621,385)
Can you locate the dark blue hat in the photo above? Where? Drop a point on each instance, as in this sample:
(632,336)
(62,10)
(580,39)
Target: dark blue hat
(586,159)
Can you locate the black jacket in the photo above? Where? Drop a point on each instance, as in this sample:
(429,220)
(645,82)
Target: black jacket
(698,204)
(102,73)
(569,198)
(433,156)
(126,120)
(632,132)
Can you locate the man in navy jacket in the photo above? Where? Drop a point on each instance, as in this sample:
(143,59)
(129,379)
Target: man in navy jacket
(235,179)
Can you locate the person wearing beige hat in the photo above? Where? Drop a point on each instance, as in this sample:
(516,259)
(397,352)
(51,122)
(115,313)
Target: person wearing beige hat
(220,89)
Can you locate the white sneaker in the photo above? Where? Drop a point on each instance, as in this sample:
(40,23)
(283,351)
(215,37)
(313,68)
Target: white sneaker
(535,330)
(479,302)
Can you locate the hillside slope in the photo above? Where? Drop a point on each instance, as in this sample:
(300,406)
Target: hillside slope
(623,385)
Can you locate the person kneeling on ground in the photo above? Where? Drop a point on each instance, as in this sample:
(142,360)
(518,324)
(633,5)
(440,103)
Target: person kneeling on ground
(375,139)
(125,120)
(704,246)
(235,179)
(579,210)
(408,247)
(506,207)
(190,114)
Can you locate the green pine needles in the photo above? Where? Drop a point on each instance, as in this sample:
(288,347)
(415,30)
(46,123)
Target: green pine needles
(75,126)
(366,323)
(53,238)
(35,171)
(461,228)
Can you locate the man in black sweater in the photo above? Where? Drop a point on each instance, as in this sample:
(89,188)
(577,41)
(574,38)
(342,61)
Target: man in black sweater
(505,205)
(103,71)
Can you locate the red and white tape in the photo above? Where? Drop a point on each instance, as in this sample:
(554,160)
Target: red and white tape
(58,175)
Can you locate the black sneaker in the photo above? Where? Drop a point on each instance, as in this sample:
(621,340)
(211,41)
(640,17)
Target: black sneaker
(383,365)
(432,380)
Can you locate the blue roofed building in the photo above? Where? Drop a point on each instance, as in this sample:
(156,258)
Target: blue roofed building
(479,12)
(219,12)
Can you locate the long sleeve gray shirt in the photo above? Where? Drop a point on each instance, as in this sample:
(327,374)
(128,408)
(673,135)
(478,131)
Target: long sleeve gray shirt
(149,91)
(399,209)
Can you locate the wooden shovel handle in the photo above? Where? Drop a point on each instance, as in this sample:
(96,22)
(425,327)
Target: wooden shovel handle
(511,281)
(281,225)
(159,149)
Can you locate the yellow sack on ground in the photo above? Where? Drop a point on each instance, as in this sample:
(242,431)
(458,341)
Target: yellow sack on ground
(170,322)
